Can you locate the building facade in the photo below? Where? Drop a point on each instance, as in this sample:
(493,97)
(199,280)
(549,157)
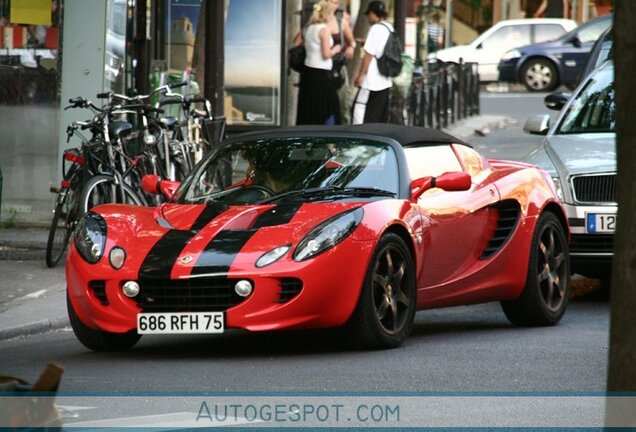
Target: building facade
(232,51)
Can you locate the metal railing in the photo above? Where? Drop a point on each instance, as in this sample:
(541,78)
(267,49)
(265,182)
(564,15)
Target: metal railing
(446,93)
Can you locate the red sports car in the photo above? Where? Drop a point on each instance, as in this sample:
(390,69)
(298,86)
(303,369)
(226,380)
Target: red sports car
(322,226)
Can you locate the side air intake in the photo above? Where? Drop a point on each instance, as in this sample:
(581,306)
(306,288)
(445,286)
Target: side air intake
(508,216)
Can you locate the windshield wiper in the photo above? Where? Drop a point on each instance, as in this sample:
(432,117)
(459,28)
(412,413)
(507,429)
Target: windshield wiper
(330,191)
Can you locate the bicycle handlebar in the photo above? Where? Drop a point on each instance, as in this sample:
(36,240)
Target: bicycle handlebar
(80,102)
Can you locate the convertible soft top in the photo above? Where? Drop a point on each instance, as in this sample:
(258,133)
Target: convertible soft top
(404,135)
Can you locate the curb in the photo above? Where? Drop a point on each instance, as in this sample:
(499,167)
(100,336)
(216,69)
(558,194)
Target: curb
(21,253)
(34,328)
(468,128)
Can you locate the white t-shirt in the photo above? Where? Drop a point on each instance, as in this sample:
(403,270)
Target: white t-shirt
(374,45)
(314,58)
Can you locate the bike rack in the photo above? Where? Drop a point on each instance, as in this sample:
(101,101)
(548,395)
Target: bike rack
(444,95)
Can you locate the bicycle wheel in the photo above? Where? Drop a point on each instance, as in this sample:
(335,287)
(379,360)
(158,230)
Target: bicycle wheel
(62,226)
(102,189)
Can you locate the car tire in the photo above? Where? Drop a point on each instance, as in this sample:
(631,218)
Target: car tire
(384,315)
(98,340)
(545,295)
(539,75)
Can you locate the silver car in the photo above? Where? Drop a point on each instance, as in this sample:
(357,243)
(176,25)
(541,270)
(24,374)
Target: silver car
(580,153)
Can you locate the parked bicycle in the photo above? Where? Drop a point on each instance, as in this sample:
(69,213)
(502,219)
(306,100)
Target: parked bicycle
(78,165)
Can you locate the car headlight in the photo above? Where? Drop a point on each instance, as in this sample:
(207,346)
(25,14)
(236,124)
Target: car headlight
(90,237)
(328,234)
(272,256)
(557,188)
(512,54)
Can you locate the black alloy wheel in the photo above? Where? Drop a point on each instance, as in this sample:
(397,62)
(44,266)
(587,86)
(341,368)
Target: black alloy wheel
(545,296)
(386,308)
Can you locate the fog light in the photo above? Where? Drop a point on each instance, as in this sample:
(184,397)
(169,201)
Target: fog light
(131,288)
(243,288)
(117,257)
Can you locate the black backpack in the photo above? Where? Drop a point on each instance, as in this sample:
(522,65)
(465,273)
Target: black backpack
(390,64)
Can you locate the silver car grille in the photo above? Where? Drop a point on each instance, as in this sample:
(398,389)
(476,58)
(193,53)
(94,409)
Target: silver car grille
(595,189)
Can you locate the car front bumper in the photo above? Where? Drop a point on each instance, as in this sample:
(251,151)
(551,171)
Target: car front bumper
(508,70)
(589,250)
(327,298)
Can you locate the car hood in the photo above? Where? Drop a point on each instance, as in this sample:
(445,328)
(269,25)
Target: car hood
(450,54)
(295,216)
(211,238)
(582,153)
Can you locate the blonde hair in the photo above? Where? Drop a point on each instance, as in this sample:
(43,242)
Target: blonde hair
(320,13)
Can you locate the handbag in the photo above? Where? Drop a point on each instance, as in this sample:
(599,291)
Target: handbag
(337,70)
(339,62)
(296,56)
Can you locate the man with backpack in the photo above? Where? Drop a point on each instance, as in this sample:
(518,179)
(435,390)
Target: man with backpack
(371,104)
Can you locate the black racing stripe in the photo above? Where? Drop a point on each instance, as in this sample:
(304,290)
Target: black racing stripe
(278,215)
(163,255)
(209,212)
(220,253)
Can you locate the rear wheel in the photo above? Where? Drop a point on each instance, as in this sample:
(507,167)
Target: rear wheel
(539,75)
(102,189)
(384,315)
(545,295)
(98,340)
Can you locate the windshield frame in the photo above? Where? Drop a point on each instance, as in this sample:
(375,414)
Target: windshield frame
(604,76)
(403,181)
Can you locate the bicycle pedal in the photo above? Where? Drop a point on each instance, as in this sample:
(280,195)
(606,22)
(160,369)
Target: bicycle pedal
(54,189)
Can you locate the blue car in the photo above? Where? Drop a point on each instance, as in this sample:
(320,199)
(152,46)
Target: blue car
(544,66)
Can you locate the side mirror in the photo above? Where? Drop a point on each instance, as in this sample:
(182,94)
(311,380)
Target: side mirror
(449,181)
(153,185)
(537,125)
(556,100)
(576,41)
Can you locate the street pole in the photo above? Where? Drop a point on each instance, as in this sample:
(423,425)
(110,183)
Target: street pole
(449,24)
(424,14)
(504,9)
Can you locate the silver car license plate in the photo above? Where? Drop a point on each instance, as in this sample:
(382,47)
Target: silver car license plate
(182,322)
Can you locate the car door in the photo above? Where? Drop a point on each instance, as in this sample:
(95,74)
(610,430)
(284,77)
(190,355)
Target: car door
(577,49)
(492,48)
(456,224)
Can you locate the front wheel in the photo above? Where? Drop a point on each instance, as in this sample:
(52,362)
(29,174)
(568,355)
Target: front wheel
(62,225)
(102,189)
(539,75)
(545,295)
(98,340)
(384,315)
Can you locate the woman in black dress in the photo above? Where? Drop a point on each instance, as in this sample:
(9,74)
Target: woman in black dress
(317,96)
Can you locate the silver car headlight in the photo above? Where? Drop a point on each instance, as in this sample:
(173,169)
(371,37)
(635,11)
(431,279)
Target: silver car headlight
(557,187)
(328,234)
(272,256)
(512,54)
(90,237)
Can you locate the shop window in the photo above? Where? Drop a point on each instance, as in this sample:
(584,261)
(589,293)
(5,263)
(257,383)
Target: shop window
(253,62)
(29,41)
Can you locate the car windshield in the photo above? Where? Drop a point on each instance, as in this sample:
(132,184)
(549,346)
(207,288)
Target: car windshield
(593,109)
(259,171)
(588,32)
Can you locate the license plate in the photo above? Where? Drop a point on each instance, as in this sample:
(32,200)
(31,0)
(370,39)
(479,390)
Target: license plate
(171,323)
(600,223)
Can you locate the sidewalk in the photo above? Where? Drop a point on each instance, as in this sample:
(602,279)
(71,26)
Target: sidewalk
(38,304)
